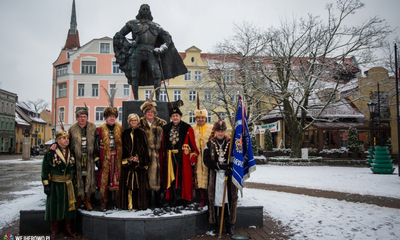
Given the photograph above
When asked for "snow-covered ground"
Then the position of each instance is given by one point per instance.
(308, 217)
(321, 218)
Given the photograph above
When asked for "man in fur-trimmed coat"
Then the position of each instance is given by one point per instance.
(152, 126)
(202, 132)
(215, 157)
(82, 141)
(109, 145)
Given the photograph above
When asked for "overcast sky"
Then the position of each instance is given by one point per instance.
(34, 31)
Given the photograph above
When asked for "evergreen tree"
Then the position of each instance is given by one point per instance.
(352, 140)
(254, 144)
(268, 141)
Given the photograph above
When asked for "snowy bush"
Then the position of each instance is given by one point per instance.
(282, 150)
(254, 144)
(352, 140)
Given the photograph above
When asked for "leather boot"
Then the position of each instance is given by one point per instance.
(216, 229)
(203, 197)
(116, 199)
(104, 201)
(87, 204)
(229, 229)
(78, 202)
(67, 228)
(55, 226)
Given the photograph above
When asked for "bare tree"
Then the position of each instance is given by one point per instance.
(306, 56)
(38, 105)
(231, 72)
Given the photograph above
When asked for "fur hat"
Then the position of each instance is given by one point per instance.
(219, 125)
(175, 110)
(81, 110)
(62, 132)
(149, 104)
(200, 112)
(110, 110)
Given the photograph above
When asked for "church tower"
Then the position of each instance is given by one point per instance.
(72, 42)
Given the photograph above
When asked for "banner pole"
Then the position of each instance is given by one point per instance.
(226, 177)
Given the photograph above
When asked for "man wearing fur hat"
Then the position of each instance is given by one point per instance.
(152, 125)
(59, 185)
(202, 132)
(109, 145)
(82, 141)
(216, 159)
(179, 154)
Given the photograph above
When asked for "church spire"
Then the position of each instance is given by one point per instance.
(72, 42)
(73, 24)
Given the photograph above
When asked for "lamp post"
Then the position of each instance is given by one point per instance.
(371, 108)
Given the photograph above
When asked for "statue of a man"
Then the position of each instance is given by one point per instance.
(150, 56)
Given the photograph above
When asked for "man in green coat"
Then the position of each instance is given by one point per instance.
(59, 186)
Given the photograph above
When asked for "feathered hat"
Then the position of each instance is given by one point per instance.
(110, 110)
(62, 132)
(219, 125)
(200, 112)
(174, 107)
(82, 110)
(149, 104)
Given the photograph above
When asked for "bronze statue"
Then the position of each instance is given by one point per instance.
(150, 56)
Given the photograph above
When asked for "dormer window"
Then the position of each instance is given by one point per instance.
(104, 48)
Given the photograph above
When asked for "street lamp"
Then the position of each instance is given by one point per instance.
(371, 108)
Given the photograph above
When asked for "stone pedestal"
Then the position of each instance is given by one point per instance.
(26, 148)
(132, 106)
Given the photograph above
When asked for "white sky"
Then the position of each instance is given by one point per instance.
(307, 217)
(35, 31)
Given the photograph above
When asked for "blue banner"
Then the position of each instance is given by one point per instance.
(243, 163)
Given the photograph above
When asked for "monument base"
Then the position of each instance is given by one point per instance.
(118, 224)
(132, 106)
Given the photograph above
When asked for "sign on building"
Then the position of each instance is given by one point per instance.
(273, 127)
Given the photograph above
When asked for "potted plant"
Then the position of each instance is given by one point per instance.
(324, 153)
(268, 146)
(334, 153)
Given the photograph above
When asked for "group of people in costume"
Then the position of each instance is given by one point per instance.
(150, 164)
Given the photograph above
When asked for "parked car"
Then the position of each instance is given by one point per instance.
(36, 150)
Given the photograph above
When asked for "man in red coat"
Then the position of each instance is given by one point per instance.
(178, 155)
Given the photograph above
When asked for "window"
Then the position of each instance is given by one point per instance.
(228, 77)
(61, 114)
(192, 119)
(188, 76)
(197, 76)
(207, 96)
(88, 67)
(99, 113)
(147, 94)
(177, 95)
(126, 90)
(81, 90)
(116, 68)
(120, 113)
(62, 90)
(163, 96)
(192, 96)
(61, 70)
(95, 90)
(209, 118)
(104, 48)
(112, 87)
